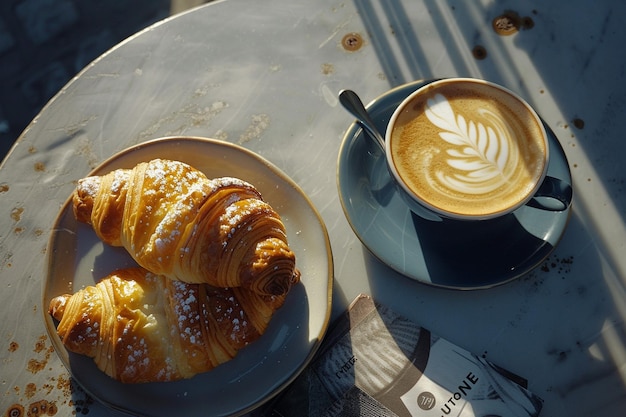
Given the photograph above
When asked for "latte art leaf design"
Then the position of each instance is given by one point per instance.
(481, 152)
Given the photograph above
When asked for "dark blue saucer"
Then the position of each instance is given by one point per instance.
(450, 254)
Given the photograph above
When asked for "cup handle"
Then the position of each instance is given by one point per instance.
(553, 195)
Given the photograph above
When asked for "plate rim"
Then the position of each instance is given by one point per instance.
(275, 170)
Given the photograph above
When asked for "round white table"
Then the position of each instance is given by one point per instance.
(265, 75)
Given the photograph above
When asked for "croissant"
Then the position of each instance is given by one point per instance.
(176, 222)
(141, 327)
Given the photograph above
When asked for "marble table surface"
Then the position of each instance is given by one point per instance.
(265, 75)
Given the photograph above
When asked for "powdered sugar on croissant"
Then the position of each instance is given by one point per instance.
(176, 222)
(141, 327)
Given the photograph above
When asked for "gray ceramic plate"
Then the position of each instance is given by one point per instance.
(77, 258)
(451, 254)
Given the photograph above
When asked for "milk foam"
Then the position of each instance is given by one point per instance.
(466, 149)
(482, 155)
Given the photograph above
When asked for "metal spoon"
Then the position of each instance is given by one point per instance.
(351, 102)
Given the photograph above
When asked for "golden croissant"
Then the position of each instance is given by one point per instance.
(141, 327)
(176, 222)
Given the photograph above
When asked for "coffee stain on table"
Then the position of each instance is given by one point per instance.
(40, 344)
(479, 52)
(15, 410)
(258, 125)
(36, 365)
(352, 42)
(30, 390)
(561, 265)
(41, 408)
(16, 214)
(327, 68)
(34, 400)
(177, 122)
(578, 123)
(510, 22)
(85, 149)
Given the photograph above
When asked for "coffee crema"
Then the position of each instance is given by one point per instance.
(469, 148)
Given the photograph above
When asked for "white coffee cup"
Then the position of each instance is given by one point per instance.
(469, 149)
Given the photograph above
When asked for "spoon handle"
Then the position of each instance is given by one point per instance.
(351, 102)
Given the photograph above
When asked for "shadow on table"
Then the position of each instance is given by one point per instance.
(543, 35)
(564, 303)
(363, 367)
(461, 253)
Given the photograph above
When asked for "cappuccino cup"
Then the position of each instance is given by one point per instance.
(468, 149)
